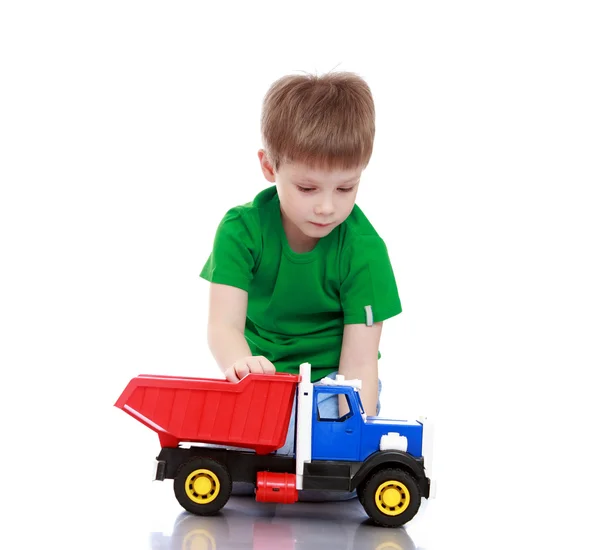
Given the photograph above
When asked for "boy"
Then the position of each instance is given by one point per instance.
(299, 274)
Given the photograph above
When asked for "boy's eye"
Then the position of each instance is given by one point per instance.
(310, 189)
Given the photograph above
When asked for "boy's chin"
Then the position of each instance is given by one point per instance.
(311, 230)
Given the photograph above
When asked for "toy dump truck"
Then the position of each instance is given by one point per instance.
(214, 432)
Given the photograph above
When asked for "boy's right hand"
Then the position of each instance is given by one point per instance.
(246, 365)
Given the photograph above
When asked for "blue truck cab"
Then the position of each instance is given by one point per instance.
(354, 436)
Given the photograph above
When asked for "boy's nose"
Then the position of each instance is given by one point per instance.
(324, 208)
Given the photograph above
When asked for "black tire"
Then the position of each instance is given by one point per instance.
(360, 492)
(403, 501)
(202, 486)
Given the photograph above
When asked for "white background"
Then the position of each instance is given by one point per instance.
(128, 128)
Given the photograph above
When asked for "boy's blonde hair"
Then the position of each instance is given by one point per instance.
(324, 121)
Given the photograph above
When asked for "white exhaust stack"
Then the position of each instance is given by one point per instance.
(304, 406)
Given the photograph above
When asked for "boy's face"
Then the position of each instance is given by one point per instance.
(313, 201)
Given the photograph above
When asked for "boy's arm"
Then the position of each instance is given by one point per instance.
(358, 360)
(226, 322)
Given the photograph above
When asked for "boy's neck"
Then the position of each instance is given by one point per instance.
(297, 241)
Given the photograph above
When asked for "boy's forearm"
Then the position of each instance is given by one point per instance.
(369, 393)
(227, 344)
(358, 360)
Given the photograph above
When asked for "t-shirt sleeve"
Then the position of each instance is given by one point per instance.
(368, 289)
(234, 252)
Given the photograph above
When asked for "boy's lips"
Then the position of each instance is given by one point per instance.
(322, 224)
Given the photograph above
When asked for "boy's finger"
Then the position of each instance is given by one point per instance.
(270, 369)
(230, 375)
(267, 366)
(255, 366)
(241, 371)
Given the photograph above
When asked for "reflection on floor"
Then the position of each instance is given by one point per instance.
(244, 523)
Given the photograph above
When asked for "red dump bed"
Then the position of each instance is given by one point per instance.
(253, 413)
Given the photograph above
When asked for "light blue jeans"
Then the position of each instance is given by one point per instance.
(328, 407)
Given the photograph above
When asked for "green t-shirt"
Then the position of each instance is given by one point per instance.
(298, 303)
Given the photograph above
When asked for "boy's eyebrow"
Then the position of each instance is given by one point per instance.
(308, 180)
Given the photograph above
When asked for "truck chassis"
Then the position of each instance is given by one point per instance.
(389, 484)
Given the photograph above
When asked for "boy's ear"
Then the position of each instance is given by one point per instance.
(266, 167)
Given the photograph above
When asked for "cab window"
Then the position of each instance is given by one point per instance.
(325, 412)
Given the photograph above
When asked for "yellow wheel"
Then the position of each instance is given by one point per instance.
(202, 486)
(391, 497)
